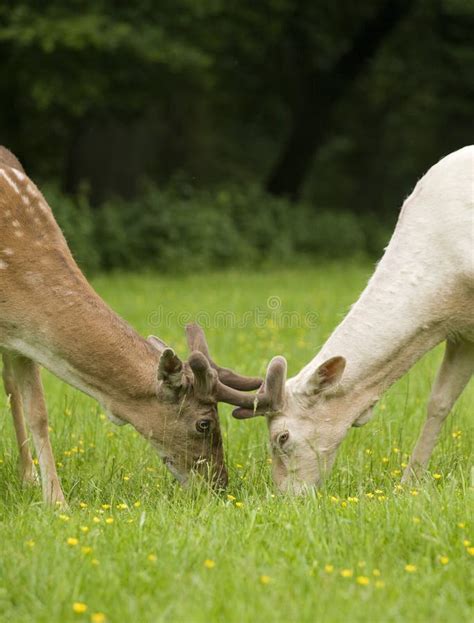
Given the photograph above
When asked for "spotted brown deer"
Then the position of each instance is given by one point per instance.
(421, 294)
(50, 316)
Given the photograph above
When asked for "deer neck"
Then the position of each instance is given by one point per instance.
(392, 325)
(76, 336)
(50, 313)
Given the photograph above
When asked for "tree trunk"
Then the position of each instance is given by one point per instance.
(321, 91)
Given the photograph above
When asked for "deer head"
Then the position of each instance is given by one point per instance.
(304, 430)
(188, 436)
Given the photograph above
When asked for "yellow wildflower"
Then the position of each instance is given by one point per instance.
(209, 564)
(98, 617)
(152, 557)
(265, 579)
(410, 568)
(363, 580)
(443, 560)
(72, 541)
(109, 520)
(328, 568)
(79, 607)
(347, 573)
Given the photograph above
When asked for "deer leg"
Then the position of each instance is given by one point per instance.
(28, 472)
(454, 374)
(27, 374)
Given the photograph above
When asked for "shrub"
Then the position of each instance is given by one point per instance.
(76, 219)
(181, 229)
(329, 234)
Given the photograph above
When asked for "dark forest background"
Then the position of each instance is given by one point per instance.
(223, 131)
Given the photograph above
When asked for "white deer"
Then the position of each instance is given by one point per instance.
(422, 293)
(50, 316)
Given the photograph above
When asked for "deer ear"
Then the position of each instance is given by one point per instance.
(170, 369)
(327, 375)
(156, 342)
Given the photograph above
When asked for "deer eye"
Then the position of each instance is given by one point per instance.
(282, 438)
(203, 426)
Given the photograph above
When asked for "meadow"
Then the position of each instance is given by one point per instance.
(134, 546)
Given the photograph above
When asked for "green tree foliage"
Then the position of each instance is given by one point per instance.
(215, 91)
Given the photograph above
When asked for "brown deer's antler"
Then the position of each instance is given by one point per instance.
(268, 400)
(197, 342)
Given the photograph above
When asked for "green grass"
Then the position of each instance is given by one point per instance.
(148, 564)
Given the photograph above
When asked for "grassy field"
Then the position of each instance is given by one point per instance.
(136, 547)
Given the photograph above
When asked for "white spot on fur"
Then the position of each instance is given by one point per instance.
(3, 265)
(34, 279)
(19, 175)
(25, 200)
(16, 223)
(9, 180)
(18, 233)
(7, 251)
